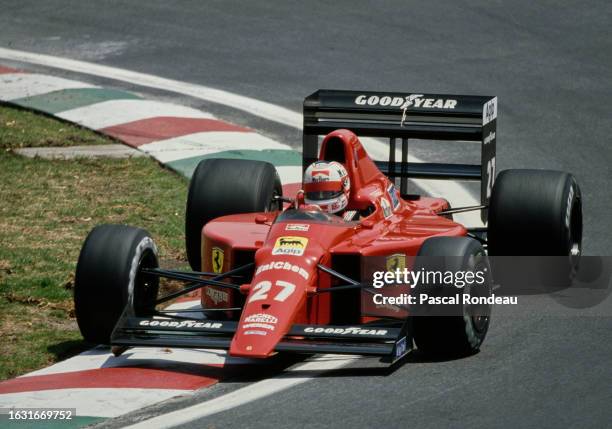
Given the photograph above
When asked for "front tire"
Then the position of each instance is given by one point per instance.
(108, 278)
(221, 187)
(451, 329)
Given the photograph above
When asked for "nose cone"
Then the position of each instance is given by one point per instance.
(286, 272)
(276, 297)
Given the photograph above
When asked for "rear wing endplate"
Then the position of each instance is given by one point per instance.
(404, 116)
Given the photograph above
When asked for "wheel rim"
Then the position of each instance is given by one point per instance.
(575, 230)
(145, 285)
(275, 204)
(479, 313)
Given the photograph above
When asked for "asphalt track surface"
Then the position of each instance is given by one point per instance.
(550, 65)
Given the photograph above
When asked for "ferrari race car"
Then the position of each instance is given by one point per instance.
(277, 275)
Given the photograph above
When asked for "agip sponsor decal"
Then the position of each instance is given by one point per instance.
(289, 245)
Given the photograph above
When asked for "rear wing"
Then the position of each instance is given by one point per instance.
(402, 116)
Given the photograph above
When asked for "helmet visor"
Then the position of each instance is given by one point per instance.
(322, 195)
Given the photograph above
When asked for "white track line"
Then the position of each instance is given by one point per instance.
(115, 112)
(247, 394)
(253, 106)
(20, 85)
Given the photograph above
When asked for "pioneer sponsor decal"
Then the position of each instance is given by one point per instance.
(293, 246)
(403, 102)
(283, 265)
(297, 227)
(345, 331)
(216, 295)
(180, 324)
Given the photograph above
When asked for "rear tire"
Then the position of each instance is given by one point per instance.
(535, 213)
(220, 187)
(444, 329)
(108, 278)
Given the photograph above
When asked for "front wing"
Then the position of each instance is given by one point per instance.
(390, 341)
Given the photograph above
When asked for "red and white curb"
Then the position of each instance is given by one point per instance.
(177, 136)
(99, 384)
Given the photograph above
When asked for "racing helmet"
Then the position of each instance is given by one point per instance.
(327, 185)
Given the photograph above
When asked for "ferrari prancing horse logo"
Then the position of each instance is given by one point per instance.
(217, 260)
(396, 262)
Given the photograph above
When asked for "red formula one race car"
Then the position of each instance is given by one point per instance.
(280, 274)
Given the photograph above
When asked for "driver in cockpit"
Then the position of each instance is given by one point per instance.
(327, 185)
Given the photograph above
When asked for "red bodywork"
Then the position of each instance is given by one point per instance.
(286, 253)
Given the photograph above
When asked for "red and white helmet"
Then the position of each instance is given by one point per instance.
(327, 185)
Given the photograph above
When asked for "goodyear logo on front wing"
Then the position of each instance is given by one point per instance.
(294, 246)
(217, 260)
